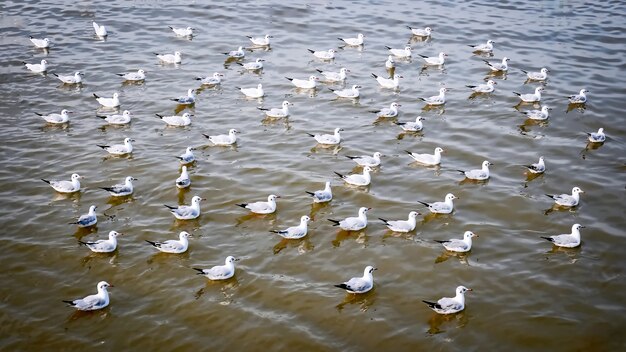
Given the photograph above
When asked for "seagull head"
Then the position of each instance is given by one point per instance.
(369, 269)
(75, 177)
(462, 289)
(130, 179)
(113, 234)
(577, 227)
(544, 70)
(232, 131)
(394, 105)
(407, 48)
(196, 199)
(128, 140)
(577, 190)
(313, 78)
(363, 210)
(439, 150)
(103, 285)
(272, 198)
(492, 82)
(44, 62)
(450, 197)
(187, 115)
(126, 113)
(141, 72)
(230, 259)
(469, 234)
(305, 218)
(65, 112)
(486, 163)
(177, 54)
(115, 95)
(338, 129)
(490, 42)
(377, 155)
(414, 214)
(184, 234)
(286, 104)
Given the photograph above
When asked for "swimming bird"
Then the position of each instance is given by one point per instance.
(579, 98)
(186, 212)
(596, 137)
(187, 157)
(401, 53)
(213, 80)
(366, 160)
(63, 117)
(254, 65)
(537, 168)
(236, 54)
(483, 48)
(420, 32)
(101, 31)
(103, 246)
(119, 149)
(177, 58)
(445, 207)
(484, 88)
(260, 41)
(388, 82)
(542, 75)
(435, 60)
(332, 76)
(392, 111)
(437, 99)
(71, 79)
(140, 75)
(499, 66)
(353, 223)
(324, 55)
(360, 284)
(531, 98)
(175, 120)
(363, 179)
(460, 246)
(328, 139)
(427, 159)
(252, 92)
(220, 272)
(411, 126)
(354, 41)
(310, 83)
(390, 63)
(567, 200)
(88, 219)
(173, 246)
(40, 43)
(402, 225)
(539, 115)
(121, 190)
(295, 232)
(37, 68)
(278, 113)
(189, 99)
(322, 196)
(66, 186)
(182, 31)
(478, 174)
(117, 119)
(350, 93)
(449, 305)
(93, 302)
(108, 102)
(262, 207)
(570, 240)
(224, 139)
(183, 181)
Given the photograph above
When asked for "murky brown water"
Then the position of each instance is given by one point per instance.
(527, 295)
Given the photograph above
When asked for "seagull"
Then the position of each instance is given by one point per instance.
(182, 32)
(66, 186)
(324, 55)
(322, 196)
(224, 139)
(253, 92)
(402, 225)
(537, 168)
(183, 181)
(478, 174)
(461, 246)
(186, 100)
(37, 68)
(363, 179)
(445, 207)
(334, 76)
(427, 159)
(531, 98)
(119, 149)
(187, 157)
(537, 76)
(392, 111)
(116, 119)
(401, 53)
(177, 58)
(295, 232)
(390, 63)
(237, 54)
(354, 41)
(366, 160)
(579, 98)
(277, 113)
(108, 102)
(570, 240)
(260, 41)
(262, 207)
(541, 115)
(220, 272)
(173, 246)
(435, 60)
(40, 43)
(101, 31)
(448, 305)
(104, 246)
(411, 126)
(93, 302)
(351, 93)
(353, 223)
(437, 99)
(121, 190)
(71, 79)
(140, 75)
(420, 32)
(567, 200)
(328, 139)
(254, 65)
(88, 219)
(498, 67)
(211, 80)
(360, 284)
(186, 212)
(483, 48)
(56, 118)
(176, 120)
(387, 82)
(596, 137)
(484, 88)
(310, 83)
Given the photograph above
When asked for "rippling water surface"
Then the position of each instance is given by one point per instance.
(527, 295)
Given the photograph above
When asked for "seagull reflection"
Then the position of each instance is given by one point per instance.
(89, 314)
(111, 257)
(363, 300)
(227, 288)
(463, 257)
(342, 235)
(269, 218)
(84, 231)
(303, 245)
(436, 321)
(74, 197)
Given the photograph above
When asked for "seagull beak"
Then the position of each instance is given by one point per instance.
(369, 208)
(202, 198)
(375, 268)
(476, 235)
(70, 112)
(135, 179)
(120, 234)
(469, 289)
(582, 227)
(277, 196)
(237, 259)
(111, 285)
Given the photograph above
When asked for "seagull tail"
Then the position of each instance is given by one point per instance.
(388, 47)
(159, 116)
(311, 51)
(46, 181)
(83, 243)
(71, 303)
(249, 37)
(73, 223)
(422, 99)
(243, 205)
(384, 220)
(108, 189)
(524, 71)
(332, 90)
(274, 231)
(424, 56)
(54, 74)
(170, 207)
(342, 286)
(312, 135)
(120, 74)
(409, 27)
(156, 54)
(335, 222)
(374, 75)
(547, 238)
(173, 99)
(351, 157)
(441, 241)
(461, 171)
(263, 109)
(430, 304)
(239, 63)
(408, 152)
(338, 174)
(200, 271)
(102, 146)
(311, 193)
(96, 96)
(291, 79)
(399, 123)
(206, 135)
(152, 243)
(38, 114)
(171, 27)
(101, 116)
(550, 195)
(472, 87)
(198, 78)
(518, 94)
(318, 70)
(426, 204)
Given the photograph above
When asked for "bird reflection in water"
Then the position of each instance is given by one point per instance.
(363, 300)
(437, 321)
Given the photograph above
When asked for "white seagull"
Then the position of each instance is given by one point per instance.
(323, 55)
(360, 284)
(445, 207)
(261, 207)
(187, 157)
(596, 137)
(449, 305)
(40, 43)
(322, 196)
(570, 240)
(309, 83)
(456, 245)
(354, 41)
(252, 92)
(328, 139)
(63, 117)
(121, 190)
(173, 246)
(175, 120)
(390, 63)
(484, 88)
(499, 66)
(177, 58)
(70, 79)
(402, 225)
(437, 99)
(224, 139)
(391, 83)
(189, 99)
(211, 80)
(101, 31)
(531, 98)
(237, 54)
(483, 48)
(108, 102)
(537, 168)
(331, 76)
(427, 159)
(260, 41)
(186, 212)
(542, 75)
(220, 272)
(88, 219)
(117, 119)
(295, 232)
(478, 174)
(37, 68)
(420, 32)
(254, 65)
(366, 160)
(363, 179)
(119, 149)
(66, 186)
(392, 111)
(411, 126)
(579, 98)
(140, 75)
(93, 302)
(435, 60)
(350, 93)
(353, 223)
(401, 53)
(540, 115)
(182, 31)
(104, 246)
(567, 200)
(278, 113)
(183, 181)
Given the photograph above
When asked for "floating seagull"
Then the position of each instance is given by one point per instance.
(497, 66)
(220, 272)
(104, 246)
(119, 149)
(295, 232)
(183, 181)
(176, 120)
(567, 200)
(354, 41)
(402, 225)
(262, 207)
(324, 55)
(484, 88)
(537, 168)
(322, 196)
(88, 219)
(351, 93)
(66, 186)
(224, 139)
(435, 60)
(437, 99)
(448, 305)
(71, 79)
(390, 63)
(596, 137)
(237, 54)
(187, 157)
(187, 212)
(328, 139)
(579, 98)
(420, 32)
(173, 246)
(366, 160)
(445, 207)
(211, 80)
(252, 92)
(117, 119)
(186, 100)
(353, 223)
(40, 43)
(310, 83)
(140, 75)
(121, 190)
(392, 111)
(177, 58)
(37, 68)
(334, 76)
(388, 82)
(360, 284)
(411, 126)
(260, 41)
(541, 115)
(483, 48)
(401, 53)
(101, 31)
(108, 102)
(478, 174)
(567, 240)
(277, 113)
(182, 32)
(56, 118)
(254, 65)
(537, 76)
(363, 179)
(531, 98)
(456, 245)
(93, 302)
(427, 159)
